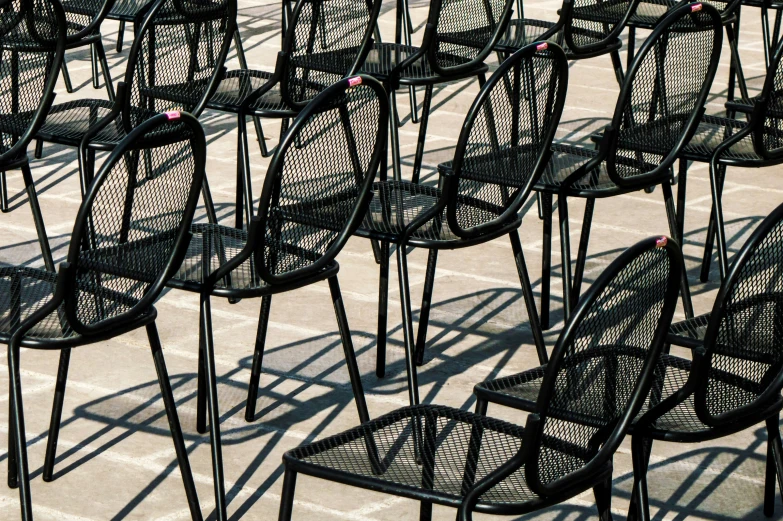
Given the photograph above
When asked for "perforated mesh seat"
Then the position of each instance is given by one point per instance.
(23, 291)
(392, 435)
(126, 9)
(711, 132)
(383, 58)
(691, 330)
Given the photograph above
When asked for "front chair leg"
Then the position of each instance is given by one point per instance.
(17, 426)
(603, 500)
(174, 426)
(640, 455)
(774, 453)
(565, 253)
(671, 215)
(407, 326)
(258, 358)
(546, 261)
(527, 295)
(287, 499)
(57, 412)
(383, 306)
(350, 354)
(214, 410)
(426, 301)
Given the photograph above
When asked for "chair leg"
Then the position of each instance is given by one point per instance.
(565, 253)
(350, 354)
(287, 499)
(581, 256)
(773, 433)
(239, 49)
(17, 427)
(527, 294)
(394, 136)
(32, 197)
(94, 66)
(39, 144)
(99, 50)
(214, 409)
(641, 449)
(244, 196)
(383, 306)
(617, 65)
(3, 192)
(716, 186)
(546, 261)
(770, 474)
(603, 500)
(258, 358)
(57, 412)
(407, 325)
(120, 35)
(201, 392)
(426, 301)
(174, 426)
(425, 113)
(682, 182)
(260, 137)
(671, 215)
(66, 77)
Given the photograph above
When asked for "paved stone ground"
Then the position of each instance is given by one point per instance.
(115, 456)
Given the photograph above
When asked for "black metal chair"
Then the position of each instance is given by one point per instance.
(31, 44)
(601, 369)
(502, 150)
(315, 193)
(119, 259)
(126, 11)
(83, 20)
(755, 141)
(660, 104)
(580, 37)
(443, 57)
(735, 377)
(322, 35)
(175, 62)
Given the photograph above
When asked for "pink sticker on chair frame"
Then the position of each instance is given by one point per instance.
(356, 80)
(542, 46)
(173, 114)
(696, 7)
(661, 242)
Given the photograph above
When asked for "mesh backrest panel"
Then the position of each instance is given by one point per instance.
(318, 186)
(586, 32)
(80, 13)
(328, 34)
(511, 129)
(772, 136)
(178, 56)
(474, 20)
(23, 73)
(665, 92)
(132, 228)
(602, 364)
(747, 350)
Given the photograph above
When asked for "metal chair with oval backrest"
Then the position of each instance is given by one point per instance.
(130, 235)
(601, 368)
(32, 45)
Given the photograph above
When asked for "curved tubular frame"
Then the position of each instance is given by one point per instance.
(566, 15)
(81, 224)
(94, 25)
(452, 179)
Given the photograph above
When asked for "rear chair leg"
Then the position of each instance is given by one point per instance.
(57, 412)
(383, 306)
(258, 358)
(287, 499)
(426, 301)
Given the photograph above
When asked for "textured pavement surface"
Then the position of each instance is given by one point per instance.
(116, 460)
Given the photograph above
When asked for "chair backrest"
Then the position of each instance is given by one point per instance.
(767, 118)
(326, 40)
(176, 60)
(318, 185)
(506, 139)
(584, 33)
(133, 227)
(602, 365)
(32, 43)
(663, 96)
(742, 365)
(461, 33)
(84, 17)
(726, 8)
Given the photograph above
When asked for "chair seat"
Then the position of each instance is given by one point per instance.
(390, 441)
(711, 132)
(23, 291)
(238, 84)
(613, 11)
(395, 204)
(220, 244)
(383, 58)
(690, 332)
(126, 9)
(67, 123)
(566, 160)
(521, 32)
